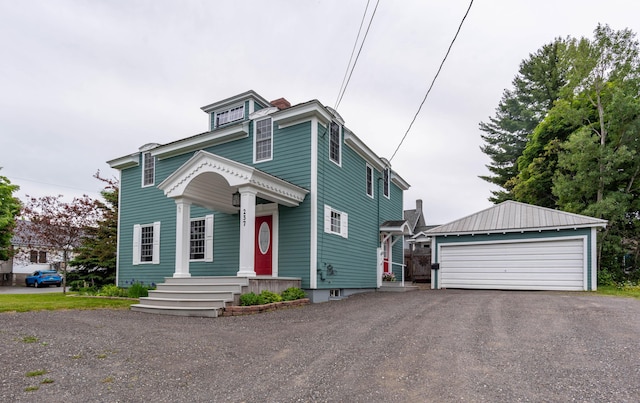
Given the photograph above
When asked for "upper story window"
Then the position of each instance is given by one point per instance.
(385, 182)
(38, 256)
(148, 169)
(263, 144)
(369, 180)
(334, 143)
(229, 115)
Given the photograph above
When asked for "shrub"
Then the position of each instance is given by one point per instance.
(605, 277)
(270, 297)
(137, 289)
(293, 293)
(112, 290)
(251, 299)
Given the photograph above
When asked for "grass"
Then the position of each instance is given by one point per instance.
(56, 301)
(36, 373)
(632, 292)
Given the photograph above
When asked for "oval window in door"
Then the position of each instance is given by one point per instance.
(264, 238)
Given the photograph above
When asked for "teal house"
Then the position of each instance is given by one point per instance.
(269, 191)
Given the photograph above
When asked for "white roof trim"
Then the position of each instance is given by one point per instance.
(363, 150)
(203, 140)
(302, 113)
(245, 96)
(125, 162)
(402, 229)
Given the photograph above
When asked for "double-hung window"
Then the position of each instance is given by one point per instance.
(334, 143)
(369, 180)
(201, 239)
(146, 243)
(148, 169)
(263, 140)
(385, 182)
(38, 256)
(336, 222)
(228, 116)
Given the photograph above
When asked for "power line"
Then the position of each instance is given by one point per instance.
(433, 81)
(364, 38)
(353, 51)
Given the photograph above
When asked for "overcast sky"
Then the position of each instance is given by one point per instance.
(83, 82)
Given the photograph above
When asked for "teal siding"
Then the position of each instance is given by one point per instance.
(139, 205)
(344, 189)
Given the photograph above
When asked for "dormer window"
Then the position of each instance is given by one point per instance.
(227, 116)
(334, 143)
(149, 169)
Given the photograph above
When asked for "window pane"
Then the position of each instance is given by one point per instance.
(369, 181)
(335, 222)
(263, 139)
(334, 143)
(196, 243)
(42, 257)
(34, 256)
(146, 244)
(149, 168)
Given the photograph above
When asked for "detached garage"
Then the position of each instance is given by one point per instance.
(516, 246)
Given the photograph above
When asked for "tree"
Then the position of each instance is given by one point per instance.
(59, 225)
(9, 209)
(95, 258)
(535, 89)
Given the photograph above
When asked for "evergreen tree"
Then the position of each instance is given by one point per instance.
(9, 209)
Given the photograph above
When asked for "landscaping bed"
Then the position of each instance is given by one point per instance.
(253, 309)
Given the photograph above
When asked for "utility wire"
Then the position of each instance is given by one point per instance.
(433, 81)
(353, 51)
(364, 38)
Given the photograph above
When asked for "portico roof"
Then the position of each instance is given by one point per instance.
(209, 180)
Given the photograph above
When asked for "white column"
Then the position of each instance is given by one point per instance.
(183, 226)
(247, 232)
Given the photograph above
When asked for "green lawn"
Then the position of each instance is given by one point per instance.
(54, 301)
(633, 292)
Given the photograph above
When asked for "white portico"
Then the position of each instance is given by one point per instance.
(210, 181)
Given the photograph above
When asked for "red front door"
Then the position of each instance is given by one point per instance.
(263, 259)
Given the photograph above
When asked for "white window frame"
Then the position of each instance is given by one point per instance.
(329, 214)
(234, 113)
(255, 141)
(386, 182)
(146, 156)
(137, 243)
(369, 179)
(208, 238)
(338, 142)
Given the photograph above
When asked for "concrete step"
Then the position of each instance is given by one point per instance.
(244, 281)
(178, 311)
(194, 294)
(202, 286)
(183, 303)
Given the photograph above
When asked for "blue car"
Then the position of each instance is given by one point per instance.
(43, 278)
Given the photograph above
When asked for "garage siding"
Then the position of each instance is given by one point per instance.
(536, 265)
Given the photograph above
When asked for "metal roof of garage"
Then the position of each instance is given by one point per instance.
(512, 216)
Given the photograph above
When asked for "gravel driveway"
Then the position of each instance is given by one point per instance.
(422, 346)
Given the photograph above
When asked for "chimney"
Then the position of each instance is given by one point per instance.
(419, 205)
(281, 103)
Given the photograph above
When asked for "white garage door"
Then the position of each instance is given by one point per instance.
(539, 265)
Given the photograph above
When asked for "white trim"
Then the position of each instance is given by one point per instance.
(313, 252)
(245, 96)
(223, 135)
(128, 161)
(339, 162)
(344, 222)
(208, 238)
(137, 230)
(373, 181)
(594, 260)
(255, 141)
(118, 231)
(156, 243)
(272, 210)
(144, 168)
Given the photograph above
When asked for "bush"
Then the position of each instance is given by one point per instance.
(292, 294)
(251, 299)
(605, 277)
(112, 290)
(270, 297)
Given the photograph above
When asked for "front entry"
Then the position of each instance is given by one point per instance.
(386, 248)
(264, 245)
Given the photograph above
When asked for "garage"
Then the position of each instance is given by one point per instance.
(516, 246)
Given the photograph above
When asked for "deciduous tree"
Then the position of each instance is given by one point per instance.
(9, 209)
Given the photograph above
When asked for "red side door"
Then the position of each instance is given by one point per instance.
(264, 238)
